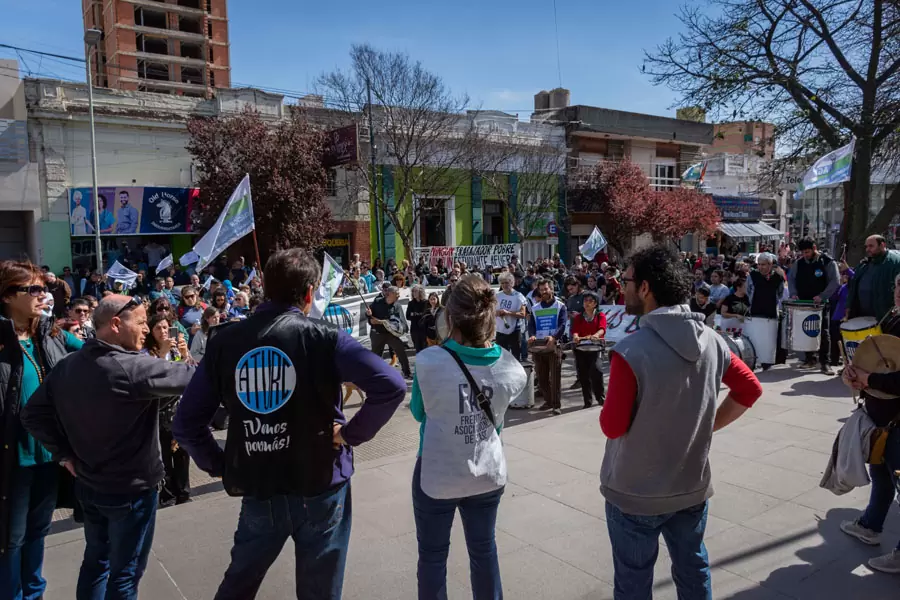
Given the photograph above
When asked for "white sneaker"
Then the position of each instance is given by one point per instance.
(889, 563)
(866, 536)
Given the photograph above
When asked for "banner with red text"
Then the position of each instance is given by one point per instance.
(475, 257)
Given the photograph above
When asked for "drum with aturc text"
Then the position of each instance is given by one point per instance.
(802, 326)
(854, 331)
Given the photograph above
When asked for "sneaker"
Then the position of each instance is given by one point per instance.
(826, 370)
(576, 385)
(545, 406)
(863, 534)
(556, 411)
(889, 563)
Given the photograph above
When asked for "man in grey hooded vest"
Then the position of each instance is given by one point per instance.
(659, 416)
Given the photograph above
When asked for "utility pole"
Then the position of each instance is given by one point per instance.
(372, 172)
(92, 37)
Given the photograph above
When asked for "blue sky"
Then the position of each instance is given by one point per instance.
(500, 52)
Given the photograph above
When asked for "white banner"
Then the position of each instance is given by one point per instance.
(618, 322)
(475, 257)
(118, 272)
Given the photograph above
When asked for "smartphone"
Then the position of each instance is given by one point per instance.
(173, 333)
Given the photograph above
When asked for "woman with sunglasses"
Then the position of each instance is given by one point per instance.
(190, 309)
(30, 346)
(163, 306)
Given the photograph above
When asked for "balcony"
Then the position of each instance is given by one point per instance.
(662, 184)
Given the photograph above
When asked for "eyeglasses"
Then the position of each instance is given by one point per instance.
(35, 291)
(163, 308)
(189, 296)
(132, 303)
(81, 311)
(627, 279)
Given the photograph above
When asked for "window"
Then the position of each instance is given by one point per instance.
(209, 30)
(436, 221)
(189, 3)
(664, 176)
(331, 182)
(151, 70)
(189, 50)
(153, 45)
(189, 25)
(192, 75)
(150, 18)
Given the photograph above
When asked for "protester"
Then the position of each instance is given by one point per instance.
(546, 326)
(838, 313)
(415, 311)
(112, 449)
(718, 291)
(220, 303)
(656, 474)
(31, 346)
(387, 308)
(511, 312)
(72, 281)
(198, 344)
(80, 312)
(240, 308)
(60, 291)
(870, 293)
(159, 290)
(190, 310)
(815, 277)
(162, 305)
(700, 303)
(737, 304)
(429, 319)
(589, 324)
(455, 470)
(176, 488)
(613, 287)
(292, 467)
(883, 413)
(93, 286)
(765, 287)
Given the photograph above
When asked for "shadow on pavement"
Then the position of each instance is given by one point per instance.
(824, 388)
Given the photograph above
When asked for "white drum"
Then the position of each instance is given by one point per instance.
(742, 348)
(763, 333)
(802, 326)
(729, 325)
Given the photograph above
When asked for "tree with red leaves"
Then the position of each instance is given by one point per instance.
(619, 193)
(284, 160)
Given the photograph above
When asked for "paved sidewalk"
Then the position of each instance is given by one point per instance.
(772, 533)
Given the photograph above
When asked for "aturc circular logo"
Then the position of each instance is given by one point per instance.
(265, 379)
(811, 325)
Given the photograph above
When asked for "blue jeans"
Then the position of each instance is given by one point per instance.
(31, 503)
(320, 528)
(118, 534)
(881, 497)
(434, 520)
(635, 546)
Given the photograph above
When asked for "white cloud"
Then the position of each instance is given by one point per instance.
(506, 96)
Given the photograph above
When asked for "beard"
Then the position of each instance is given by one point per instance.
(634, 306)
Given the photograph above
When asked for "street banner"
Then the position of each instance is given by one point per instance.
(188, 258)
(332, 276)
(165, 263)
(831, 169)
(235, 222)
(594, 244)
(117, 272)
(130, 210)
(475, 257)
(695, 172)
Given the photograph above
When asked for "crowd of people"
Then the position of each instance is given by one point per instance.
(157, 365)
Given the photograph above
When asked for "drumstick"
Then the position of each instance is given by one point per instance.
(854, 395)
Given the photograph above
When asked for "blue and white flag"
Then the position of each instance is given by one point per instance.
(235, 222)
(188, 258)
(117, 272)
(165, 263)
(831, 169)
(208, 282)
(252, 275)
(594, 244)
(332, 276)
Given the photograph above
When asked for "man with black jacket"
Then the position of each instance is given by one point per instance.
(289, 447)
(815, 277)
(387, 309)
(98, 414)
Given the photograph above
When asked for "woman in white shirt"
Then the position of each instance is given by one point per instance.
(461, 462)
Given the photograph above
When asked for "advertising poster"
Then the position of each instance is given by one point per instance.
(132, 210)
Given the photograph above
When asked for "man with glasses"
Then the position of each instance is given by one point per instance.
(80, 312)
(546, 326)
(112, 449)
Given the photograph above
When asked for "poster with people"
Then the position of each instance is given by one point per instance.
(132, 210)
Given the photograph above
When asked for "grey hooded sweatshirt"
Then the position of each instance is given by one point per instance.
(662, 464)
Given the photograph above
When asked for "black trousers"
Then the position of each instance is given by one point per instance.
(834, 330)
(177, 484)
(512, 342)
(548, 371)
(419, 339)
(825, 339)
(380, 339)
(590, 376)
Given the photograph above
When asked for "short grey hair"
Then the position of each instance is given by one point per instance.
(418, 291)
(506, 276)
(766, 257)
(392, 289)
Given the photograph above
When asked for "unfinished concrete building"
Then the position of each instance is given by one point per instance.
(165, 46)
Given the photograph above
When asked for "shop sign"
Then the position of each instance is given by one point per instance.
(129, 210)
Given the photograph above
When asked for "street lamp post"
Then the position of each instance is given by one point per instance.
(92, 37)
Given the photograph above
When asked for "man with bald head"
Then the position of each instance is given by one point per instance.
(98, 414)
(871, 292)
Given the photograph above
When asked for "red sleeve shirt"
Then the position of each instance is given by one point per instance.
(615, 417)
(584, 328)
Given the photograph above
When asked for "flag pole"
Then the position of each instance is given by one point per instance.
(259, 270)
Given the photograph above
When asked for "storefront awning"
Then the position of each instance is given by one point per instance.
(747, 232)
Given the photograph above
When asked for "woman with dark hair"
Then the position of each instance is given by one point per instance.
(159, 343)
(211, 318)
(162, 305)
(190, 309)
(106, 217)
(30, 346)
(415, 312)
(220, 303)
(429, 319)
(468, 374)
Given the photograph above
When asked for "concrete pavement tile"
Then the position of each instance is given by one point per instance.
(777, 432)
(763, 478)
(534, 518)
(514, 491)
(766, 409)
(736, 504)
(532, 573)
(809, 420)
(725, 585)
(801, 460)
(386, 569)
(738, 444)
(401, 470)
(848, 578)
(822, 499)
(539, 473)
(513, 452)
(821, 442)
(376, 518)
(583, 494)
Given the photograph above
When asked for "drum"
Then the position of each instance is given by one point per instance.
(854, 331)
(732, 325)
(802, 326)
(763, 333)
(742, 348)
(526, 398)
(589, 346)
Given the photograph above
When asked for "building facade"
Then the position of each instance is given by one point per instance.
(165, 46)
(744, 137)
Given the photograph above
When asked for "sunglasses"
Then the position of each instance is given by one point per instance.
(81, 311)
(35, 291)
(189, 296)
(132, 303)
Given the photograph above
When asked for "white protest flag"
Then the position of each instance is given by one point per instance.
(208, 282)
(831, 169)
(117, 272)
(188, 258)
(332, 276)
(165, 263)
(594, 244)
(235, 222)
(252, 275)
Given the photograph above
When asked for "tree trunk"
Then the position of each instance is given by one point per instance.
(857, 202)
